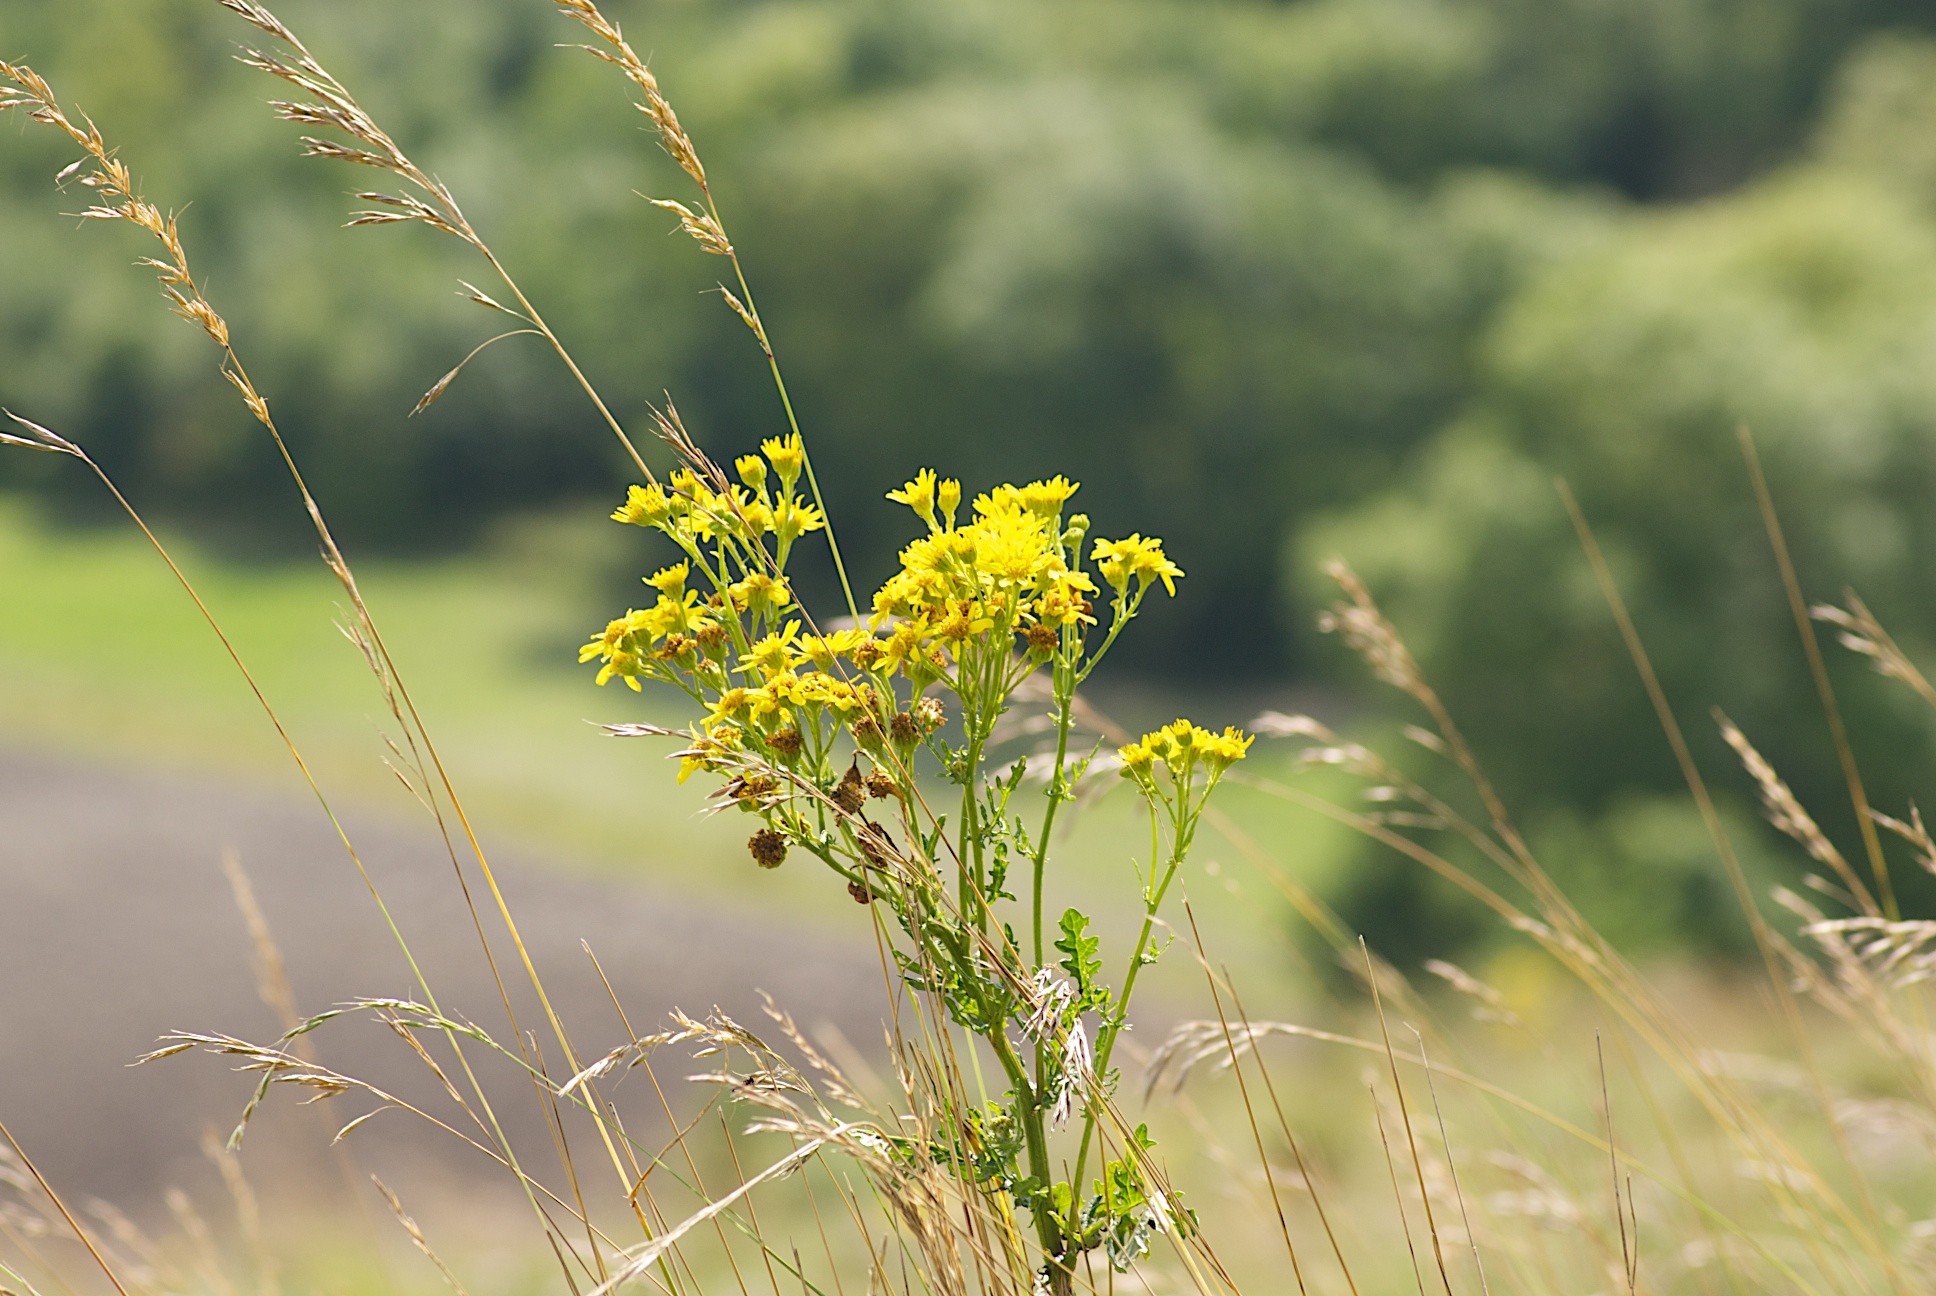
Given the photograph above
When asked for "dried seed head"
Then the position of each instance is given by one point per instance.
(876, 847)
(880, 785)
(848, 794)
(929, 714)
(768, 848)
(867, 733)
(905, 730)
(861, 892)
(785, 742)
(751, 789)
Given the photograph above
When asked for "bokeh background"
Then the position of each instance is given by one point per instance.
(1276, 281)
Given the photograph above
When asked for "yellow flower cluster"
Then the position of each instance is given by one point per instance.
(1006, 572)
(676, 630)
(1180, 747)
(688, 507)
(1143, 560)
(968, 597)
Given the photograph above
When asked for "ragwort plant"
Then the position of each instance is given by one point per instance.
(843, 744)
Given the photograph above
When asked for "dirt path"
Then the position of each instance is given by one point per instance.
(117, 925)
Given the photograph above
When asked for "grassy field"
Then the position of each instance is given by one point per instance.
(105, 659)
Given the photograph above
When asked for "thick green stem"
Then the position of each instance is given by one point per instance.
(1046, 1231)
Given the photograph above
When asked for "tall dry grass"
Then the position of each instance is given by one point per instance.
(1413, 1154)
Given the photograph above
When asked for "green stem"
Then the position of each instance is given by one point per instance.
(1046, 1232)
(1065, 712)
(1113, 1024)
(968, 846)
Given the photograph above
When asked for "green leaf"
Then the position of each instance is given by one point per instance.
(1081, 961)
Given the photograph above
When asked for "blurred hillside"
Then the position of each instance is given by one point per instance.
(1276, 280)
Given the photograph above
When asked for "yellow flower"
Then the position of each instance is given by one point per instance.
(769, 656)
(785, 688)
(1064, 598)
(1183, 736)
(643, 506)
(751, 469)
(759, 592)
(1118, 560)
(620, 649)
(822, 650)
(670, 580)
(706, 748)
(668, 614)
(906, 648)
(819, 690)
(1180, 745)
(948, 497)
(1223, 750)
(733, 704)
(1012, 549)
(965, 620)
(1046, 498)
(918, 495)
(794, 517)
(764, 702)
(787, 454)
(687, 490)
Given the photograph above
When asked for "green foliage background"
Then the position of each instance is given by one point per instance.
(1277, 280)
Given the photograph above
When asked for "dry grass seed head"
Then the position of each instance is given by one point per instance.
(116, 198)
(1786, 813)
(1365, 630)
(619, 53)
(1860, 632)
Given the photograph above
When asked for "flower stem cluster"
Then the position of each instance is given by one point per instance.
(1178, 765)
(831, 738)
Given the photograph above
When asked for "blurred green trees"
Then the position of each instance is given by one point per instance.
(1802, 308)
(1278, 279)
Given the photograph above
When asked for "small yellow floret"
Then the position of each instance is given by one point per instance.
(643, 506)
(918, 495)
(670, 580)
(793, 517)
(787, 454)
(769, 656)
(1119, 560)
(1048, 497)
(1223, 750)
